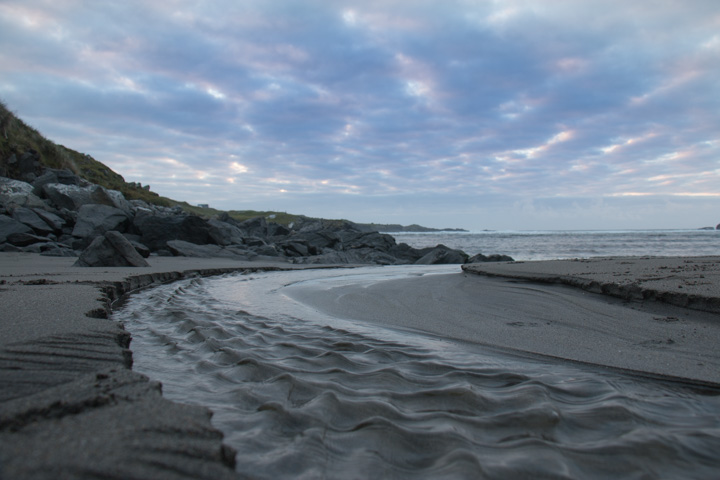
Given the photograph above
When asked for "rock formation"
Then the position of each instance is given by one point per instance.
(61, 214)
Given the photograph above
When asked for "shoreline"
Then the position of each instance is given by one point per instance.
(72, 406)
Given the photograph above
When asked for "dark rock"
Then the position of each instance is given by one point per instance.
(442, 255)
(277, 230)
(181, 248)
(94, 220)
(157, 230)
(294, 249)
(54, 221)
(32, 220)
(111, 250)
(143, 250)
(7, 248)
(14, 193)
(318, 240)
(52, 249)
(73, 197)
(255, 227)
(54, 175)
(29, 166)
(405, 253)
(480, 258)
(254, 242)
(9, 226)
(266, 250)
(25, 239)
(224, 233)
(374, 240)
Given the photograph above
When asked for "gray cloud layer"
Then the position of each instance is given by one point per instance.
(491, 114)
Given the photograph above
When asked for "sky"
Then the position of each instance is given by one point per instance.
(477, 114)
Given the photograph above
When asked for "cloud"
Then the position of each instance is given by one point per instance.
(379, 102)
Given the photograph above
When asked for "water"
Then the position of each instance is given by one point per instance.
(549, 245)
(303, 395)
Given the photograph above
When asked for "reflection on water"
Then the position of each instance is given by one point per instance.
(301, 396)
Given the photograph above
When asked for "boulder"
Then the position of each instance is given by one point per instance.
(442, 255)
(224, 233)
(318, 240)
(14, 193)
(73, 197)
(374, 240)
(155, 230)
(54, 175)
(180, 248)
(20, 239)
(53, 249)
(9, 226)
(110, 250)
(255, 227)
(54, 221)
(94, 220)
(32, 220)
(480, 258)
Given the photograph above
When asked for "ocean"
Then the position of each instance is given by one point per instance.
(551, 245)
(301, 394)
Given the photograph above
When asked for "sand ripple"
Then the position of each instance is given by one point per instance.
(303, 399)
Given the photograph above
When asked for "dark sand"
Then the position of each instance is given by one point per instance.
(636, 325)
(71, 408)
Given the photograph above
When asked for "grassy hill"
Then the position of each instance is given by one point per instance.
(16, 138)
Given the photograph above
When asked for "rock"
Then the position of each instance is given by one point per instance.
(29, 165)
(14, 193)
(54, 175)
(54, 221)
(24, 239)
(180, 248)
(480, 258)
(255, 227)
(277, 230)
(442, 255)
(157, 230)
(94, 220)
(73, 197)
(110, 250)
(52, 249)
(405, 253)
(318, 240)
(139, 247)
(294, 249)
(266, 250)
(224, 233)
(32, 220)
(374, 240)
(9, 226)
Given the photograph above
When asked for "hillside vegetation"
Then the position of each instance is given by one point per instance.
(17, 138)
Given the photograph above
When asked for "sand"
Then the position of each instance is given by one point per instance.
(70, 407)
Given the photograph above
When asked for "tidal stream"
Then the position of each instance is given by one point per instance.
(300, 394)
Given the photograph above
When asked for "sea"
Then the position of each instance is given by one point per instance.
(301, 394)
(565, 244)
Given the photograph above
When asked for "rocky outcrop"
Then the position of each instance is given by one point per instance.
(62, 214)
(111, 250)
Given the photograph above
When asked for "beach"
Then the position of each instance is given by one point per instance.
(72, 401)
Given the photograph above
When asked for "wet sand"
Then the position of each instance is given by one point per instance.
(635, 324)
(70, 406)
